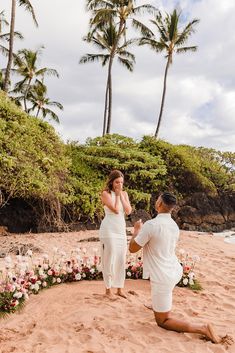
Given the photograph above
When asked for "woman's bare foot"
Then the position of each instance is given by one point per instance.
(121, 294)
(109, 294)
(211, 335)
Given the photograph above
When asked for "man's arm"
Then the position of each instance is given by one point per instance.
(133, 246)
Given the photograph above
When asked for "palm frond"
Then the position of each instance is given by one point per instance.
(55, 104)
(127, 55)
(186, 49)
(52, 115)
(186, 33)
(47, 71)
(28, 6)
(146, 8)
(125, 62)
(92, 58)
(143, 29)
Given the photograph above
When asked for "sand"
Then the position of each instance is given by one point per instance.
(76, 318)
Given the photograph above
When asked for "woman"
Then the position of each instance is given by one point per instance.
(113, 233)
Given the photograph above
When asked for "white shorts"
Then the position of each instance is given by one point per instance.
(161, 298)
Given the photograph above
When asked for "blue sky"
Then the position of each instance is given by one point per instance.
(200, 99)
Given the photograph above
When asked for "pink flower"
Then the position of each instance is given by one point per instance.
(186, 268)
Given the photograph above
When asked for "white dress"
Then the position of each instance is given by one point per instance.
(113, 241)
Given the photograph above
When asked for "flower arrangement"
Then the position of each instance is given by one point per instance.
(134, 269)
(26, 275)
(188, 263)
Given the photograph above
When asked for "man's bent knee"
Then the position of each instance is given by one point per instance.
(161, 318)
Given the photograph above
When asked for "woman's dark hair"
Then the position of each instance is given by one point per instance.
(112, 176)
(168, 199)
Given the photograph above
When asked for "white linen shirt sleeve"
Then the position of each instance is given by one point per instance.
(144, 235)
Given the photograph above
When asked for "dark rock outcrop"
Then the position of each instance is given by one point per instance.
(206, 213)
(199, 211)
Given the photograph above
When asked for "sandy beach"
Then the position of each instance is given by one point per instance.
(76, 318)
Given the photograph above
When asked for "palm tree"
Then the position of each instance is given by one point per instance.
(116, 11)
(172, 40)
(29, 8)
(25, 64)
(40, 102)
(6, 36)
(105, 39)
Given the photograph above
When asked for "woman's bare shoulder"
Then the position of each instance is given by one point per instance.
(105, 193)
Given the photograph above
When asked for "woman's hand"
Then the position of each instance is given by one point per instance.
(118, 190)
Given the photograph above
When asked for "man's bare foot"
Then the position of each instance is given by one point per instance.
(211, 335)
(121, 294)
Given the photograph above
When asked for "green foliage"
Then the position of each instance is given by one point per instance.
(33, 161)
(36, 165)
(93, 162)
(184, 167)
(149, 167)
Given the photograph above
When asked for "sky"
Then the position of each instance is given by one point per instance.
(200, 98)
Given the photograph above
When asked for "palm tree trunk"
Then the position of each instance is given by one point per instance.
(26, 95)
(38, 111)
(110, 96)
(112, 54)
(163, 96)
(106, 107)
(11, 41)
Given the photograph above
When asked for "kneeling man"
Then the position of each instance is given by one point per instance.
(159, 237)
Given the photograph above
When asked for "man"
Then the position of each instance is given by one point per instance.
(158, 237)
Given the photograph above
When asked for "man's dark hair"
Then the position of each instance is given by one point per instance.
(168, 199)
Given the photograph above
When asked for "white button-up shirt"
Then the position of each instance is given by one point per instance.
(158, 237)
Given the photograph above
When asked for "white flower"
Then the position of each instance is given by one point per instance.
(69, 270)
(129, 274)
(19, 258)
(78, 277)
(29, 253)
(185, 281)
(191, 281)
(92, 271)
(53, 280)
(36, 287)
(191, 275)
(32, 286)
(83, 275)
(196, 258)
(18, 295)
(40, 272)
(58, 280)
